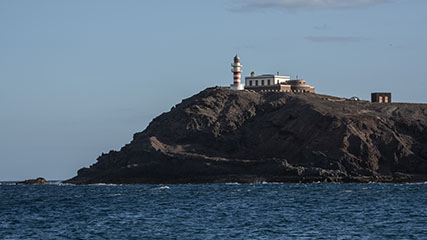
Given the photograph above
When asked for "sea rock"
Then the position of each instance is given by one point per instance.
(39, 180)
(220, 135)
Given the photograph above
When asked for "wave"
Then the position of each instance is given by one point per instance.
(104, 184)
(7, 183)
(114, 195)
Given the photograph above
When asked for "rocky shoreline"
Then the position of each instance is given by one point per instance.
(220, 135)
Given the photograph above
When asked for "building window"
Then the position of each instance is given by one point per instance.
(385, 99)
(268, 82)
(262, 82)
(250, 83)
(256, 82)
(380, 99)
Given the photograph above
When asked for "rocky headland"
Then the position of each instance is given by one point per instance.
(220, 135)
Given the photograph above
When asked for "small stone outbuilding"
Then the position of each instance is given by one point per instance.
(381, 97)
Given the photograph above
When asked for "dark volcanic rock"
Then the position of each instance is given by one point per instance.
(221, 135)
(39, 180)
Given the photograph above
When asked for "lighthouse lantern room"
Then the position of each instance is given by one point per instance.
(237, 72)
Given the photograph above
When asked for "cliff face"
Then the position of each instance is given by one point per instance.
(221, 135)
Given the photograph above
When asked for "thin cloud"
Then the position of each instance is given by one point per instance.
(253, 5)
(322, 27)
(334, 39)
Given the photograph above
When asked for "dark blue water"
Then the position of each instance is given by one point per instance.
(214, 211)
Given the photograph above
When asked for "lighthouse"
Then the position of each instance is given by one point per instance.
(237, 72)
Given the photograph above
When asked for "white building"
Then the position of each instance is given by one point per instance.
(265, 80)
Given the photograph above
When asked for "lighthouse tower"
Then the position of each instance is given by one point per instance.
(237, 71)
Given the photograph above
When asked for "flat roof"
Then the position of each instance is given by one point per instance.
(268, 75)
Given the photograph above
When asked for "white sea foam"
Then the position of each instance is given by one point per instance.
(8, 183)
(415, 183)
(55, 182)
(104, 184)
(115, 195)
(265, 182)
(66, 184)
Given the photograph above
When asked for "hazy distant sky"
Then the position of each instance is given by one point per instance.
(78, 78)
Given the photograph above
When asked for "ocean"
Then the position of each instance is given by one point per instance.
(214, 211)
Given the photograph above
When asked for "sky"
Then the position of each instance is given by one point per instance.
(79, 78)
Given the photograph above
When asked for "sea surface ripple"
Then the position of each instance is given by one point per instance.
(214, 211)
